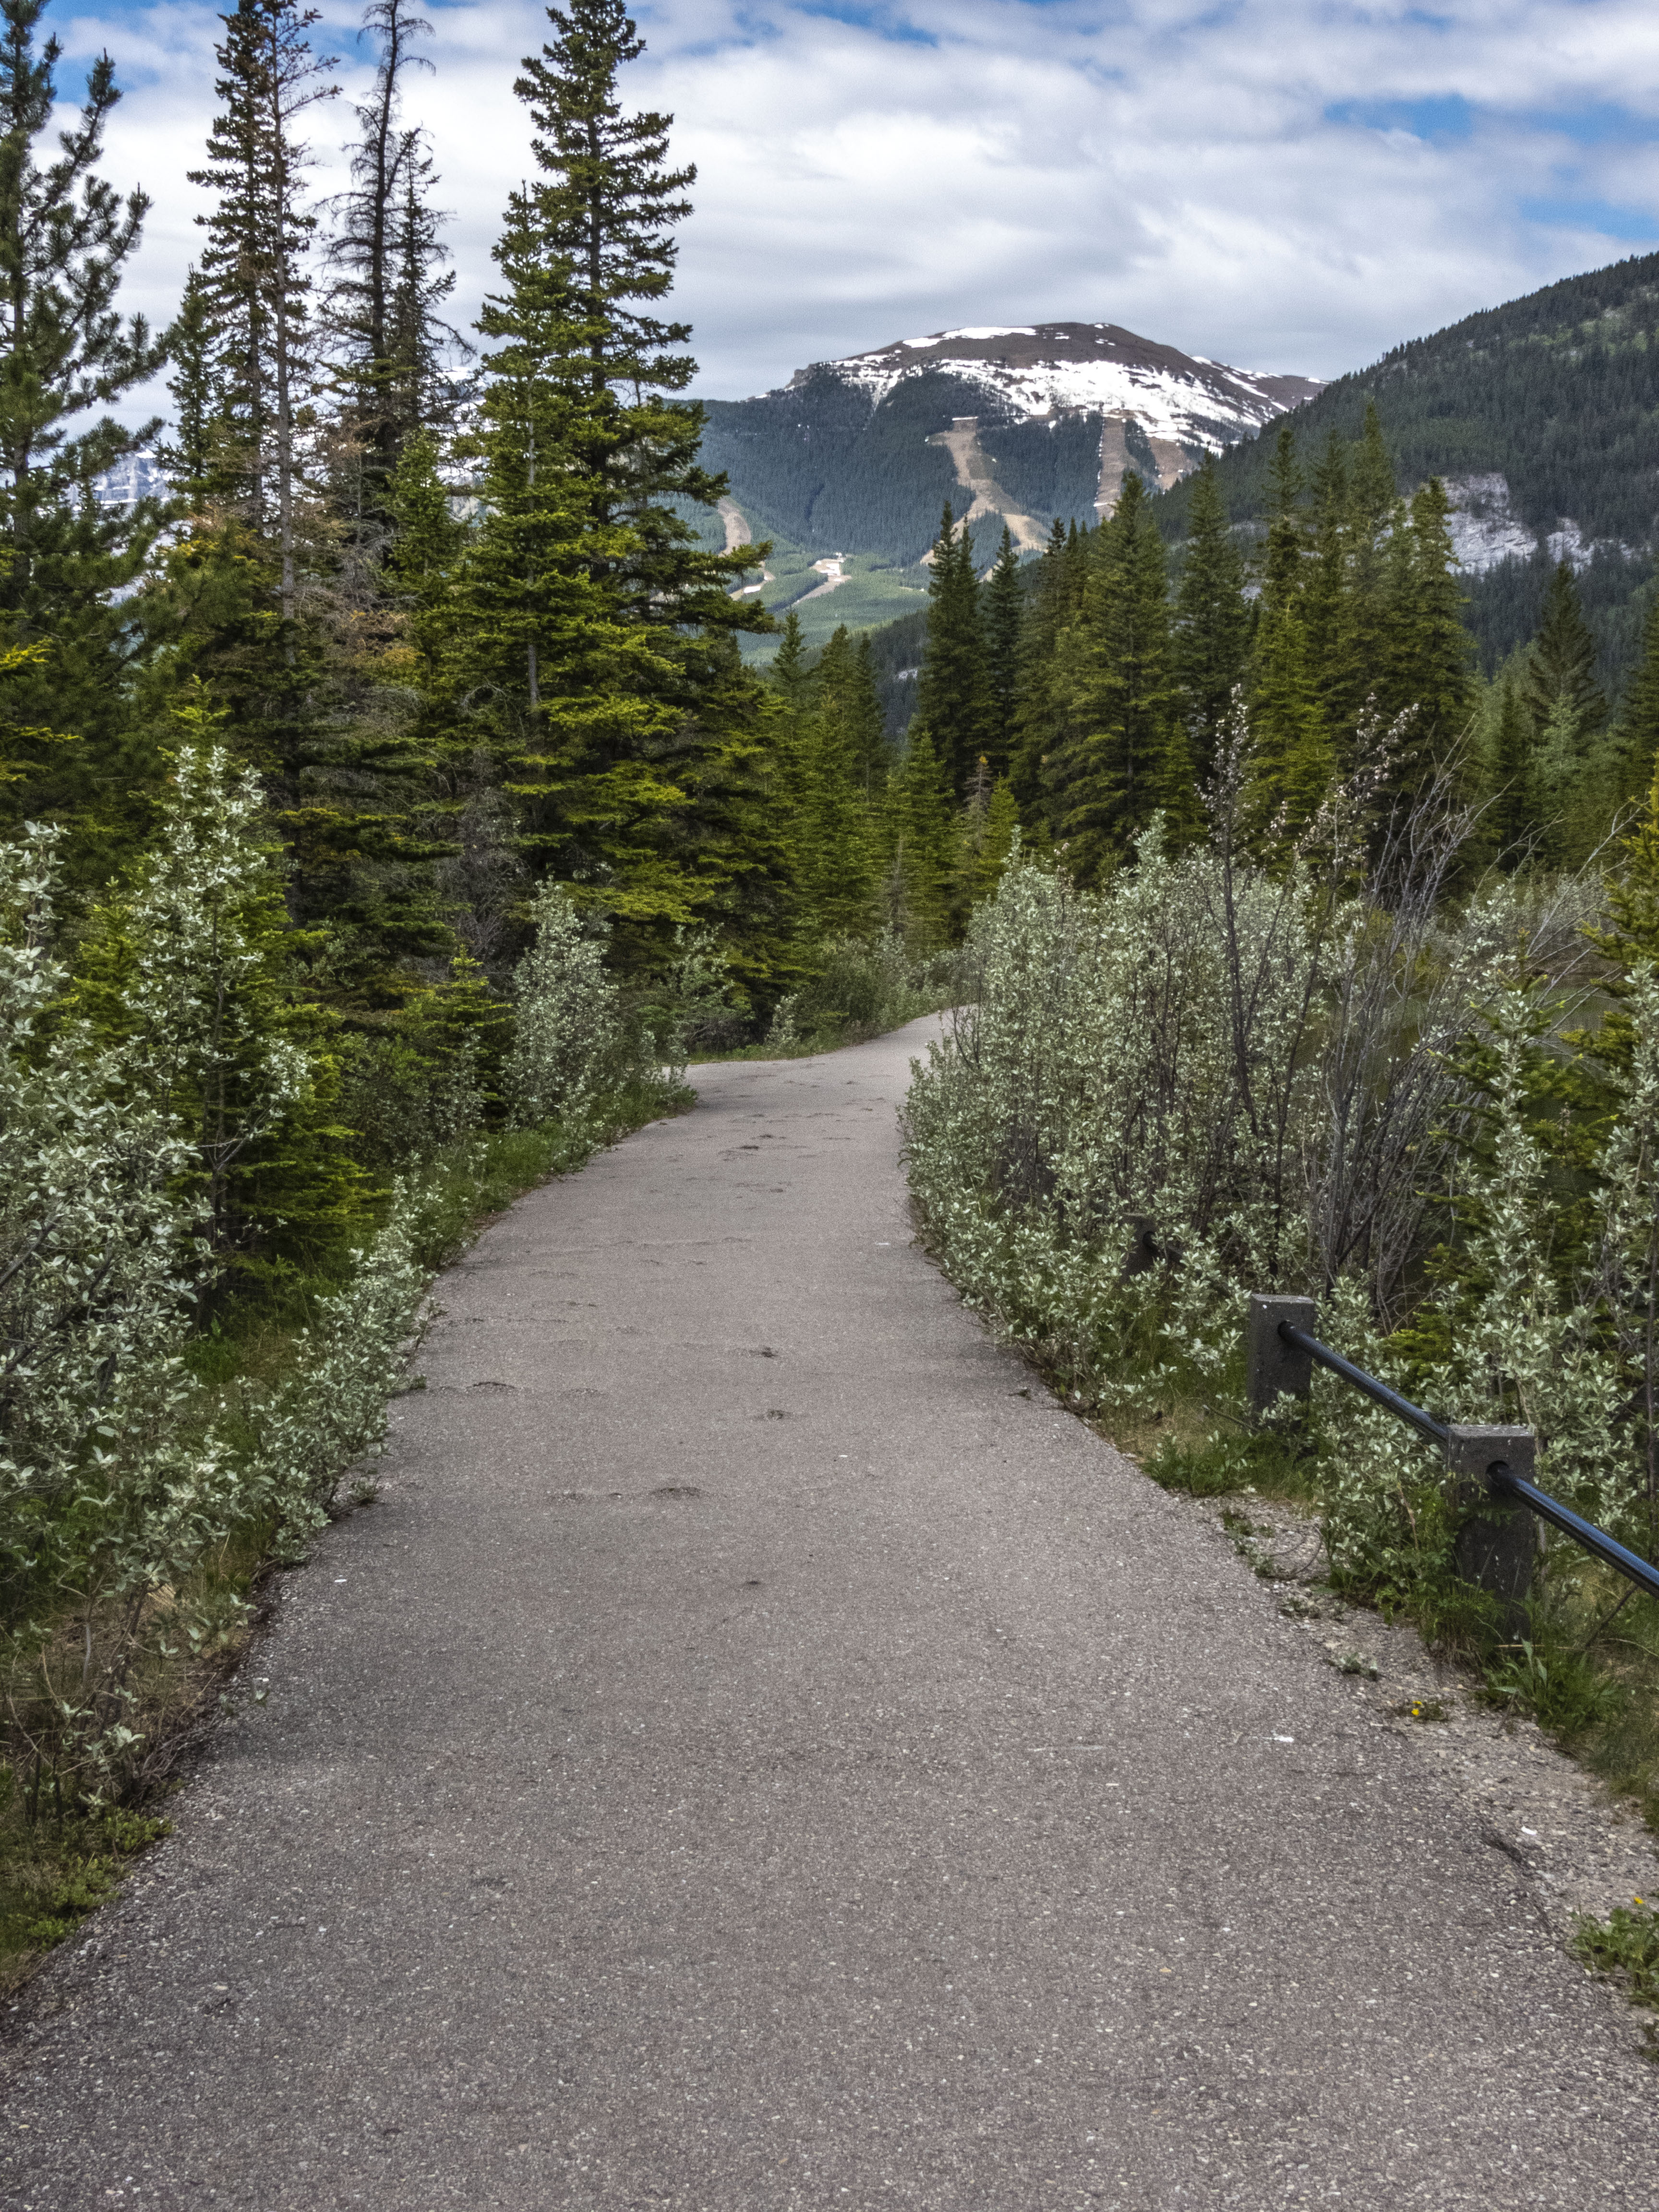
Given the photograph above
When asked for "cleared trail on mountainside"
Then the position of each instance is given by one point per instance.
(756, 1756)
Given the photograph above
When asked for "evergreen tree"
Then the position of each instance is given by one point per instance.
(1121, 755)
(1363, 649)
(1053, 603)
(1512, 815)
(1292, 757)
(65, 238)
(844, 686)
(190, 454)
(1569, 712)
(1429, 663)
(1211, 619)
(1004, 600)
(383, 305)
(953, 698)
(1326, 583)
(868, 744)
(589, 620)
(990, 825)
(1636, 736)
(922, 848)
(1562, 670)
(255, 269)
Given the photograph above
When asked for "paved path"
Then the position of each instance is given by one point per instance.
(756, 1756)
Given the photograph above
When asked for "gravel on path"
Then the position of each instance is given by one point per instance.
(759, 1752)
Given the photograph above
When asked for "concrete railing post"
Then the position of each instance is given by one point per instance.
(1276, 1368)
(1497, 1547)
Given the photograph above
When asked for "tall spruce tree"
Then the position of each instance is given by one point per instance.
(1121, 753)
(1512, 814)
(844, 685)
(66, 235)
(1635, 734)
(1004, 604)
(1056, 600)
(255, 270)
(589, 618)
(1211, 619)
(1292, 754)
(386, 251)
(953, 697)
(1561, 672)
(1569, 712)
(1361, 652)
(922, 834)
(1430, 650)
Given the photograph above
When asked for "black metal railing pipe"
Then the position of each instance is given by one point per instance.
(1436, 1431)
(1605, 1548)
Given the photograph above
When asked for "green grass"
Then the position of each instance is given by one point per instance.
(874, 593)
(1625, 1946)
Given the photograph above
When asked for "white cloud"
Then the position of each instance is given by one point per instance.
(1278, 184)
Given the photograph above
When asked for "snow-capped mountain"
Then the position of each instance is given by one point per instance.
(1044, 370)
(136, 476)
(1015, 424)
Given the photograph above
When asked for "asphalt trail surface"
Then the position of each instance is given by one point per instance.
(761, 1753)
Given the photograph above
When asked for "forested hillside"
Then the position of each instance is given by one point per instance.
(1541, 418)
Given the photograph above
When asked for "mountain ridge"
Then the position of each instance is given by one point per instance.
(1014, 424)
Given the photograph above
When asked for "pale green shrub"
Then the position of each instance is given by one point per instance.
(1126, 1081)
(570, 1042)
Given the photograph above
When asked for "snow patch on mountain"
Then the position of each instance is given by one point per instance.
(1038, 371)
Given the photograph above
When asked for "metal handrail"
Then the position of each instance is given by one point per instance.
(1436, 1431)
(1607, 1548)
(1501, 1480)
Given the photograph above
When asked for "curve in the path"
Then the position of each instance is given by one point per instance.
(761, 1753)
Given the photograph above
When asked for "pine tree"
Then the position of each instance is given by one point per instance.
(1054, 602)
(65, 238)
(589, 621)
(1512, 815)
(1326, 583)
(1636, 736)
(990, 825)
(953, 701)
(1292, 755)
(1004, 602)
(1211, 620)
(843, 685)
(189, 456)
(1569, 712)
(1431, 650)
(383, 305)
(869, 747)
(921, 833)
(1562, 670)
(602, 215)
(1121, 755)
(1363, 646)
(790, 675)
(255, 268)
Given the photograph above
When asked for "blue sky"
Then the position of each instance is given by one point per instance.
(1280, 184)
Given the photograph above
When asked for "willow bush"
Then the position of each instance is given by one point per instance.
(1337, 1073)
(170, 1110)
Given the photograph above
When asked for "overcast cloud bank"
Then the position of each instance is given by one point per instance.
(1282, 185)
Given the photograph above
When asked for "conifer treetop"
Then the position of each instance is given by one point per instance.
(609, 207)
